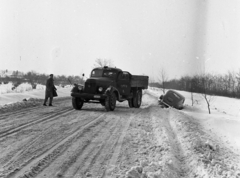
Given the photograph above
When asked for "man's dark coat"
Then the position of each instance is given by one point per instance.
(50, 87)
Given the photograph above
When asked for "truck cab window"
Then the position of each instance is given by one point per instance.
(123, 76)
(97, 73)
(110, 74)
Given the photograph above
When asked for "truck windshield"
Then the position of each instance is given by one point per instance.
(103, 73)
(97, 73)
(110, 74)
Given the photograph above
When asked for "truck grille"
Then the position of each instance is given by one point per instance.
(90, 88)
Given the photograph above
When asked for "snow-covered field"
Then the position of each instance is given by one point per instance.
(8, 95)
(224, 120)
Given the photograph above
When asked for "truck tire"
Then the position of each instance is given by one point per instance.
(137, 99)
(110, 101)
(130, 103)
(77, 103)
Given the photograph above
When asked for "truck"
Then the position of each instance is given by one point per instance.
(107, 85)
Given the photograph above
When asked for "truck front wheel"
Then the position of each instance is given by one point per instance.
(130, 103)
(77, 103)
(137, 99)
(110, 101)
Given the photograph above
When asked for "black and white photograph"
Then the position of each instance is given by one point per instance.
(119, 89)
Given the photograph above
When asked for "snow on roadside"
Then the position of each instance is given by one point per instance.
(170, 143)
(6, 88)
(204, 154)
(13, 101)
(23, 87)
(40, 87)
(224, 120)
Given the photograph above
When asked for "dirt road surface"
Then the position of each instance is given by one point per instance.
(60, 142)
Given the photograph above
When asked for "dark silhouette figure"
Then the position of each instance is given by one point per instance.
(50, 90)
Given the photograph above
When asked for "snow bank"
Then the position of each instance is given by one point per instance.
(224, 120)
(13, 100)
(23, 87)
(9, 88)
(40, 87)
(6, 88)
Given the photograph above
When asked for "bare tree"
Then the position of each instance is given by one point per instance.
(232, 82)
(163, 78)
(192, 89)
(238, 83)
(206, 84)
(103, 62)
(151, 80)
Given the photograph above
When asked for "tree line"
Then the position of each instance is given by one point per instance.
(222, 85)
(35, 78)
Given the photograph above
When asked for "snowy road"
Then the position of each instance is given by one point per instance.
(147, 142)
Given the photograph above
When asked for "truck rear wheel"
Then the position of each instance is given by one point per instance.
(77, 103)
(137, 99)
(110, 101)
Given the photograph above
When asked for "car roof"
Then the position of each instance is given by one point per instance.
(176, 93)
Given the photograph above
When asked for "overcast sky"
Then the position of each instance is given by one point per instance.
(183, 37)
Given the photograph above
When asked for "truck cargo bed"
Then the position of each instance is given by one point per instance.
(139, 81)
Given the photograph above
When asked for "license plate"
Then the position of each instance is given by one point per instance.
(96, 96)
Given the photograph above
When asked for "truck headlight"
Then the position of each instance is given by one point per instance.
(100, 89)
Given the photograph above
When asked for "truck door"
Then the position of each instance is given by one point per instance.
(124, 83)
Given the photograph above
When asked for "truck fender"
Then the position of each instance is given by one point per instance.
(112, 89)
(77, 88)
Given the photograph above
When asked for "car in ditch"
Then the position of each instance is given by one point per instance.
(107, 85)
(172, 99)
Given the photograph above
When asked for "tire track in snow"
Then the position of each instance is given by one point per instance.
(32, 143)
(18, 113)
(173, 159)
(49, 117)
(98, 151)
(92, 156)
(112, 162)
(17, 120)
(178, 152)
(78, 152)
(39, 163)
(25, 110)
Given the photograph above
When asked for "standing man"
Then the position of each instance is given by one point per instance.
(49, 90)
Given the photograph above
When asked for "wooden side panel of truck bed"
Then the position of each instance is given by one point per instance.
(139, 81)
